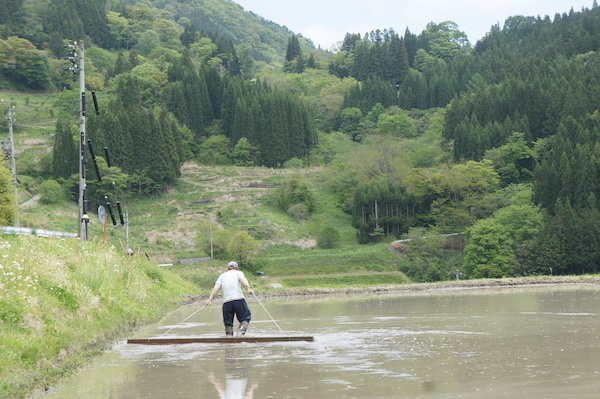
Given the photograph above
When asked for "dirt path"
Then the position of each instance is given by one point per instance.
(30, 201)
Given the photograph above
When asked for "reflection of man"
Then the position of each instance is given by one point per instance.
(235, 388)
(237, 371)
(233, 299)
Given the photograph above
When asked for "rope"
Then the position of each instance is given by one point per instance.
(197, 310)
(263, 306)
(182, 321)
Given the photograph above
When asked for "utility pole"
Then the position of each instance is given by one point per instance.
(78, 61)
(13, 166)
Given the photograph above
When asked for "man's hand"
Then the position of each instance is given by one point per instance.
(250, 291)
(208, 302)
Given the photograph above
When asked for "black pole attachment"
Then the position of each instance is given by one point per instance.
(93, 154)
(95, 103)
(110, 211)
(120, 210)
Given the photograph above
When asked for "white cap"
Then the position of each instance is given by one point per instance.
(232, 265)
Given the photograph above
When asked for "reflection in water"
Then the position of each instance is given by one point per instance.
(511, 343)
(237, 370)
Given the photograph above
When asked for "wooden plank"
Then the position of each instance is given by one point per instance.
(226, 340)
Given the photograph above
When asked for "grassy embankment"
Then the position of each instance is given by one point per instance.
(62, 302)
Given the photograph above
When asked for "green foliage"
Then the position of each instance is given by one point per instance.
(513, 161)
(350, 120)
(431, 256)
(380, 54)
(567, 243)
(242, 247)
(462, 188)
(293, 48)
(498, 246)
(294, 61)
(568, 164)
(293, 163)
(292, 192)
(51, 192)
(369, 93)
(299, 211)
(244, 154)
(7, 198)
(382, 209)
(25, 66)
(488, 253)
(328, 237)
(148, 42)
(215, 151)
(155, 159)
(279, 125)
(396, 122)
(446, 40)
(532, 84)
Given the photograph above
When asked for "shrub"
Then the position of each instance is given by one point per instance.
(328, 237)
(293, 192)
(293, 163)
(299, 211)
(51, 192)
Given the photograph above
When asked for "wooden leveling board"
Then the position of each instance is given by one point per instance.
(223, 340)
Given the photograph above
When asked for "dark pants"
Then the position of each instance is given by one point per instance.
(239, 307)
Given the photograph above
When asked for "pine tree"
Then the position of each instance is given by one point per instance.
(189, 35)
(396, 64)
(311, 63)
(64, 157)
(293, 50)
(92, 14)
(61, 18)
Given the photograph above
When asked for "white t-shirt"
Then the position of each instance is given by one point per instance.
(231, 285)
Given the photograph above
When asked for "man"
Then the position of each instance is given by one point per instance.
(233, 299)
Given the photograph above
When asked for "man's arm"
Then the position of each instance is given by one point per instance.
(246, 284)
(213, 294)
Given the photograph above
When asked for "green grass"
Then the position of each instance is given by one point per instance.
(62, 301)
(293, 267)
(292, 261)
(346, 280)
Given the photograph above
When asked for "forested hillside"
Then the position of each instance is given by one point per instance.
(417, 134)
(524, 100)
(129, 24)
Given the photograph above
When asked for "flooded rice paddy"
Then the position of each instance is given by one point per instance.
(494, 343)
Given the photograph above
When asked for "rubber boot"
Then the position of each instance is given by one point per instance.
(243, 328)
(229, 331)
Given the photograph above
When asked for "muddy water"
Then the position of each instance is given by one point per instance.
(541, 343)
